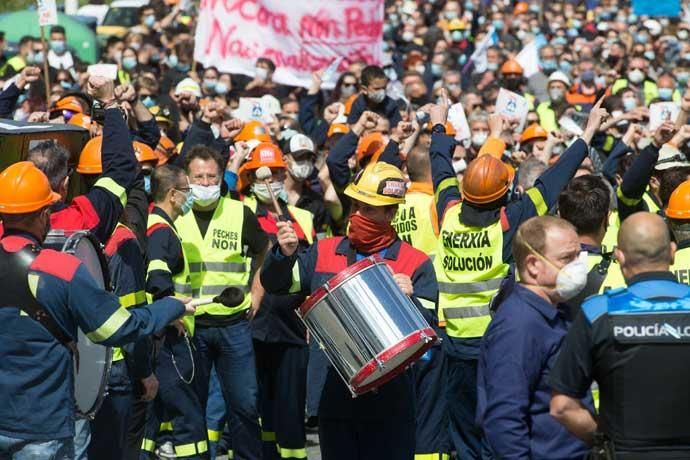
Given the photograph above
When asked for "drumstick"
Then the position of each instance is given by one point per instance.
(263, 174)
(230, 297)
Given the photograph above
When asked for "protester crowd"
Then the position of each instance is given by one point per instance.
(173, 184)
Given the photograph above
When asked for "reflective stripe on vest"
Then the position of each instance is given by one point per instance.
(413, 222)
(681, 265)
(651, 204)
(181, 281)
(216, 261)
(470, 268)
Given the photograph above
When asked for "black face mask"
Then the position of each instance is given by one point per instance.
(612, 60)
(512, 84)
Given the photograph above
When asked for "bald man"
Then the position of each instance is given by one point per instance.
(635, 343)
(521, 342)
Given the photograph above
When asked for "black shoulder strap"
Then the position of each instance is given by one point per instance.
(14, 271)
(595, 278)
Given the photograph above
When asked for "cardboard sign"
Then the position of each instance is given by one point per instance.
(513, 106)
(457, 118)
(47, 13)
(103, 70)
(660, 112)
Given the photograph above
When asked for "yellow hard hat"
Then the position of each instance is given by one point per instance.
(379, 184)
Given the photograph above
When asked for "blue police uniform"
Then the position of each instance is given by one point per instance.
(463, 352)
(635, 343)
(128, 275)
(36, 371)
(517, 353)
(379, 424)
(178, 410)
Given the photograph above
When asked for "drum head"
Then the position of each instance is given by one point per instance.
(94, 360)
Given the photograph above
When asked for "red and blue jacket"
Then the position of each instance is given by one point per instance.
(36, 371)
(320, 263)
(127, 269)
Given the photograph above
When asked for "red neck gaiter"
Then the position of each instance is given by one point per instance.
(370, 237)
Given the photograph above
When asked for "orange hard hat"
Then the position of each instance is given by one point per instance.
(143, 152)
(90, 158)
(24, 189)
(450, 129)
(81, 120)
(532, 132)
(521, 8)
(679, 203)
(338, 128)
(164, 150)
(265, 154)
(486, 180)
(68, 103)
(254, 130)
(371, 145)
(511, 66)
(348, 103)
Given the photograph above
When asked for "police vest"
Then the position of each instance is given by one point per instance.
(649, 354)
(217, 260)
(304, 218)
(681, 265)
(649, 89)
(470, 268)
(17, 63)
(414, 222)
(132, 299)
(181, 281)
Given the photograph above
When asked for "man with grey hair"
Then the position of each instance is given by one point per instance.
(529, 172)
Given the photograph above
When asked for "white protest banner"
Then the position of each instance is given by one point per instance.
(479, 56)
(513, 106)
(660, 112)
(457, 118)
(47, 13)
(299, 37)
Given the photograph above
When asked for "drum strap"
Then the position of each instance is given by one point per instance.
(14, 271)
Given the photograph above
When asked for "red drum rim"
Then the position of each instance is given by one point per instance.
(336, 281)
(386, 355)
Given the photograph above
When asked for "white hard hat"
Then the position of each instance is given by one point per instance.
(560, 76)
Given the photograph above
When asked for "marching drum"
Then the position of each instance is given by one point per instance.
(369, 329)
(91, 373)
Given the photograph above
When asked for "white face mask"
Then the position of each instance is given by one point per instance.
(636, 76)
(261, 73)
(347, 91)
(205, 195)
(459, 165)
(571, 278)
(262, 194)
(479, 138)
(377, 96)
(301, 170)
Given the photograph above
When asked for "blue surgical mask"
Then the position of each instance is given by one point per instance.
(498, 24)
(210, 83)
(189, 201)
(450, 15)
(562, 41)
(148, 101)
(128, 63)
(649, 55)
(566, 66)
(149, 20)
(183, 67)
(221, 88)
(65, 84)
(639, 38)
(172, 60)
(683, 77)
(576, 23)
(456, 35)
(549, 65)
(58, 46)
(572, 32)
(665, 94)
(147, 184)
(35, 58)
(436, 69)
(469, 6)
(629, 103)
